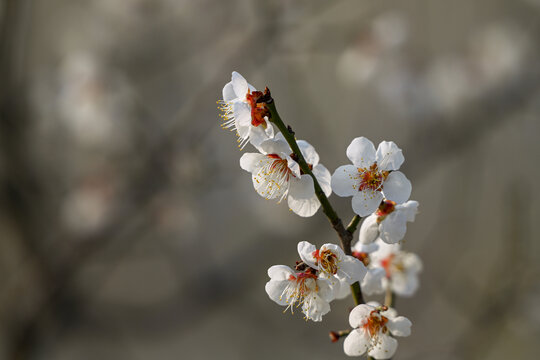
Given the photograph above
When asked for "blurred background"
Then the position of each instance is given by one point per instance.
(128, 230)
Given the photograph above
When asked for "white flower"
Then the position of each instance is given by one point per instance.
(372, 176)
(374, 329)
(373, 282)
(241, 113)
(389, 222)
(331, 262)
(276, 174)
(288, 288)
(401, 268)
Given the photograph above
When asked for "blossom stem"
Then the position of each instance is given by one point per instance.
(344, 235)
(336, 335)
(356, 291)
(351, 228)
(390, 298)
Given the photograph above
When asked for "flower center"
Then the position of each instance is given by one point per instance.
(300, 287)
(362, 256)
(327, 261)
(386, 208)
(375, 323)
(273, 177)
(386, 263)
(371, 178)
(393, 264)
(258, 110)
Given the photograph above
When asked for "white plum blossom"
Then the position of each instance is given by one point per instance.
(331, 261)
(276, 174)
(289, 288)
(241, 113)
(374, 327)
(389, 222)
(401, 268)
(372, 177)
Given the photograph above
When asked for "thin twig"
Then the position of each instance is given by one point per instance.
(351, 228)
(389, 298)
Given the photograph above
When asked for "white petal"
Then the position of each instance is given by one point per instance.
(412, 263)
(389, 156)
(310, 155)
(293, 165)
(269, 130)
(277, 145)
(410, 209)
(306, 250)
(366, 248)
(315, 307)
(374, 304)
(257, 135)
(324, 178)
(369, 230)
(351, 270)
(251, 161)
(242, 113)
(366, 201)
(372, 283)
(280, 272)
(397, 187)
(361, 152)
(393, 227)
(302, 199)
(404, 284)
(345, 180)
(304, 207)
(391, 313)
(279, 137)
(359, 314)
(240, 85)
(327, 291)
(275, 290)
(400, 326)
(356, 343)
(342, 290)
(302, 188)
(385, 347)
(242, 119)
(228, 92)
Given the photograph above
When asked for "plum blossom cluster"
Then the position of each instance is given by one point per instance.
(274, 169)
(316, 281)
(283, 167)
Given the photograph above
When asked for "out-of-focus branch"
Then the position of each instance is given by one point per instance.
(437, 140)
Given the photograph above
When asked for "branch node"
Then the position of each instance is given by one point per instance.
(290, 130)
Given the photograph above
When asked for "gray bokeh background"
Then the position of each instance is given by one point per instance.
(128, 230)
